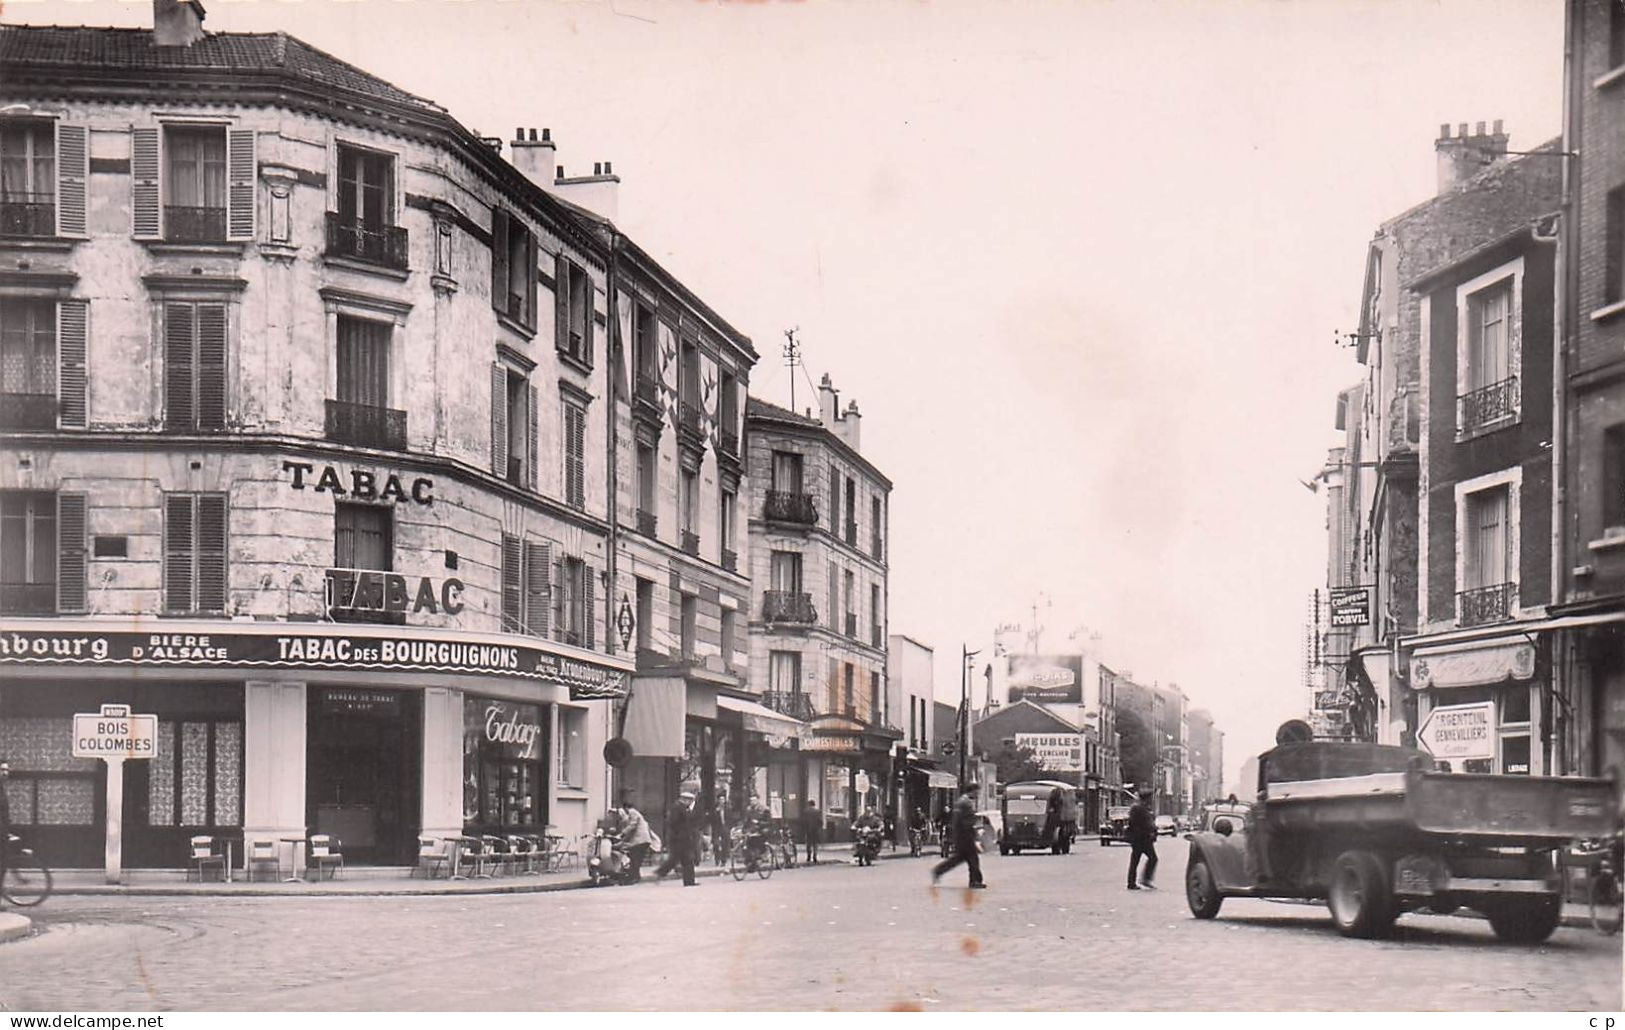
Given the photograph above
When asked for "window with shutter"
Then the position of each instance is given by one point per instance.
(1613, 476)
(73, 173)
(532, 444)
(211, 552)
(180, 406)
(28, 363)
(499, 419)
(195, 185)
(28, 552)
(538, 595)
(195, 365)
(499, 259)
(561, 302)
(211, 366)
(73, 332)
(512, 584)
(180, 537)
(28, 177)
(146, 211)
(70, 539)
(575, 460)
(561, 600)
(589, 588)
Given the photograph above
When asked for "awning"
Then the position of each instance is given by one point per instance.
(1473, 665)
(654, 716)
(778, 728)
(938, 778)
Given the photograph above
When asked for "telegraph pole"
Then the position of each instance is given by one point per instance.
(792, 358)
(965, 655)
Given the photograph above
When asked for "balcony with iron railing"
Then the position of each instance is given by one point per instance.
(647, 522)
(363, 425)
(691, 543)
(1487, 407)
(646, 388)
(384, 245)
(688, 417)
(194, 224)
(793, 703)
(1483, 605)
(788, 606)
(27, 598)
(27, 411)
(728, 440)
(28, 214)
(790, 506)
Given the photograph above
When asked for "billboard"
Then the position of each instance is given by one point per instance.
(1046, 679)
(1056, 752)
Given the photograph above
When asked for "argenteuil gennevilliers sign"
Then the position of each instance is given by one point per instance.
(353, 652)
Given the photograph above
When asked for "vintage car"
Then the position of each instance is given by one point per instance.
(1114, 827)
(1375, 831)
(1166, 826)
(1025, 811)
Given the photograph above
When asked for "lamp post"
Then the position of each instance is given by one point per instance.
(965, 655)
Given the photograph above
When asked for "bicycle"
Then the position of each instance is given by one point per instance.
(1602, 863)
(749, 855)
(27, 880)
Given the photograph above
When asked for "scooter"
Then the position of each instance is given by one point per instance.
(866, 848)
(610, 861)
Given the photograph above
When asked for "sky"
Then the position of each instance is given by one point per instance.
(1080, 264)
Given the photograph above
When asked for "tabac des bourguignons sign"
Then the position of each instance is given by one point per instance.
(309, 651)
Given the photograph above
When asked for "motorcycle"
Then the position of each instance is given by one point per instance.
(610, 861)
(866, 848)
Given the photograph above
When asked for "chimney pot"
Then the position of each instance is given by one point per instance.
(518, 135)
(1498, 126)
(1444, 130)
(547, 135)
(561, 171)
(177, 22)
(607, 169)
(1463, 130)
(598, 168)
(1479, 131)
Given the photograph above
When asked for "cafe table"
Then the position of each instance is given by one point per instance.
(294, 844)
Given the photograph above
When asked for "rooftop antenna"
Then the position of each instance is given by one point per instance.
(792, 358)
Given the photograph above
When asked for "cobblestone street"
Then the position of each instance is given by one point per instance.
(1050, 933)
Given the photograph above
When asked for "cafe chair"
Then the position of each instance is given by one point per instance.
(477, 852)
(523, 850)
(203, 856)
(325, 852)
(565, 853)
(432, 854)
(263, 854)
(501, 858)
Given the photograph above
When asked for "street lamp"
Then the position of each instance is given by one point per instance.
(965, 656)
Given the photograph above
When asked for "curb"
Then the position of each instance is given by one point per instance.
(14, 927)
(364, 891)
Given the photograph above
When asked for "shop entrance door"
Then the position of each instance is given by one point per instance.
(364, 771)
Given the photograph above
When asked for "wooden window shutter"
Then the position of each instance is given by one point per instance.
(72, 332)
(587, 319)
(179, 563)
(589, 587)
(146, 206)
(70, 552)
(575, 445)
(532, 473)
(499, 420)
(561, 302)
(512, 604)
(72, 175)
(561, 618)
(538, 596)
(531, 268)
(241, 170)
(210, 552)
(180, 408)
(211, 366)
(499, 259)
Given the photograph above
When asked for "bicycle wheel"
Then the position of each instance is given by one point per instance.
(764, 866)
(736, 865)
(1605, 903)
(27, 881)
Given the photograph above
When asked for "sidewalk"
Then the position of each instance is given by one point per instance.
(367, 881)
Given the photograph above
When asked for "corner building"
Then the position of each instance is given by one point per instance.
(303, 448)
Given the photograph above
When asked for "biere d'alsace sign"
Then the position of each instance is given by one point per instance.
(354, 651)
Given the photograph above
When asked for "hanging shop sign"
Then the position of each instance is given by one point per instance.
(359, 484)
(368, 590)
(1046, 679)
(355, 651)
(625, 622)
(1351, 606)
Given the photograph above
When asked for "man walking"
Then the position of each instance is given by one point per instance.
(962, 838)
(683, 839)
(1142, 839)
(812, 828)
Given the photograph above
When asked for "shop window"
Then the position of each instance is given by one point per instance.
(503, 754)
(47, 786)
(572, 747)
(195, 777)
(836, 789)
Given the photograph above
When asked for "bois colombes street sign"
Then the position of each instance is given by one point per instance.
(114, 733)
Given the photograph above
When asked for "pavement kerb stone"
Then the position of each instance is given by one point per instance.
(14, 927)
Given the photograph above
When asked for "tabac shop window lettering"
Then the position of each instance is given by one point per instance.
(195, 552)
(194, 366)
(504, 752)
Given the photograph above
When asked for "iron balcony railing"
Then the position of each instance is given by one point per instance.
(691, 542)
(363, 425)
(28, 598)
(647, 522)
(793, 703)
(194, 224)
(688, 416)
(384, 245)
(647, 388)
(28, 214)
(730, 560)
(27, 411)
(788, 506)
(788, 606)
(1487, 405)
(728, 441)
(1483, 605)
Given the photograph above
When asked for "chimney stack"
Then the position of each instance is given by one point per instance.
(598, 192)
(534, 157)
(1464, 155)
(177, 22)
(829, 404)
(850, 422)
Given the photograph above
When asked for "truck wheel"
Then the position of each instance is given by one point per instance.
(1359, 899)
(1525, 920)
(1201, 893)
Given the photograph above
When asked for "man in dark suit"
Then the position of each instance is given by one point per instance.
(812, 828)
(682, 839)
(962, 839)
(1142, 839)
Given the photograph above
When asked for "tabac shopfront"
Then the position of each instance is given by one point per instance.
(1483, 704)
(267, 731)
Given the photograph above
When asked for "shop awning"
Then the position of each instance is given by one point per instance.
(938, 778)
(1473, 665)
(655, 711)
(778, 728)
